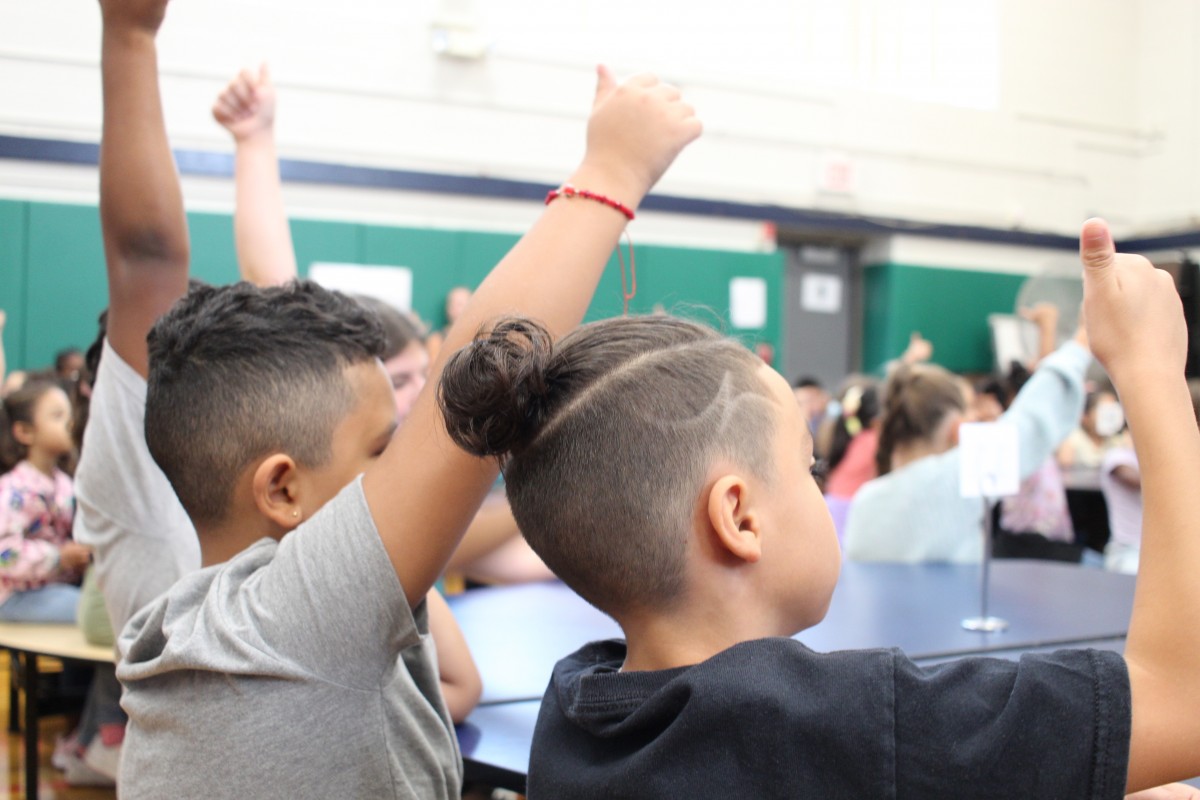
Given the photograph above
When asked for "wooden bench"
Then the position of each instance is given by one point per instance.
(28, 642)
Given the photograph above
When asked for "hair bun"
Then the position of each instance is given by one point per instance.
(494, 393)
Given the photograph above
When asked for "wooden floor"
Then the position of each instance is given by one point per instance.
(52, 784)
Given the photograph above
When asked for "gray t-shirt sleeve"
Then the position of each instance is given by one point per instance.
(328, 602)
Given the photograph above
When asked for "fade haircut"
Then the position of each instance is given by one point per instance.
(238, 372)
(607, 439)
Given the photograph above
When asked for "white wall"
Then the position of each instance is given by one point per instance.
(1089, 109)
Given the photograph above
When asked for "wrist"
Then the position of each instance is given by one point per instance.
(128, 34)
(615, 181)
(259, 138)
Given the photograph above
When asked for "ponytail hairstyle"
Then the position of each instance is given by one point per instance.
(918, 399)
(606, 440)
(19, 407)
(859, 401)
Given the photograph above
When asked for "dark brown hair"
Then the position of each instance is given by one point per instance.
(238, 372)
(606, 439)
(916, 402)
(19, 407)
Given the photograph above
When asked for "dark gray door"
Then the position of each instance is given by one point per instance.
(821, 313)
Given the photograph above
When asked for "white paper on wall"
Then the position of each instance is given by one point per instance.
(990, 461)
(748, 303)
(821, 293)
(392, 285)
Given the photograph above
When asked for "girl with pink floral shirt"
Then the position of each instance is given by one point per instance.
(39, 563)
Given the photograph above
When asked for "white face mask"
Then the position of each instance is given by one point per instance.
(1109, 419)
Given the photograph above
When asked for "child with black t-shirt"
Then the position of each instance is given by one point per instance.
(652, 464)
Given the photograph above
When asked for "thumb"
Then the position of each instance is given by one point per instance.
(264, 74)
(605, 83)
(1096, 249)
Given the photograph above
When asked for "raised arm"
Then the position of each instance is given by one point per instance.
(424, 491)
(246, 109)
(1045, 317)
(1048, 406)
(1136, 329)
(141, 207)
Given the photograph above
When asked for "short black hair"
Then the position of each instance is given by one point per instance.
(62, 356)
(807, 382)
(238, 372)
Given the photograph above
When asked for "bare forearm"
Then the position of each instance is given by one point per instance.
(1168, 451)
(458, 675)
(266, 256)
(1163, 656)
(492, 526)
(550, 275)
(141, 206)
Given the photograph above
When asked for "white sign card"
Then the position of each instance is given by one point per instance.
(821, 293)
(990, 462)
(748, 303)
(392, 285)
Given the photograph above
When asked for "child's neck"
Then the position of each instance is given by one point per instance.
(222, 541)
(664, 641)
(907, 453)
(44, 462)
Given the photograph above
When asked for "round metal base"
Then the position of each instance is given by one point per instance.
(985, 624)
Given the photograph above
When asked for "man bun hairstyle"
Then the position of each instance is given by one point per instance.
(239, 372)
(606, 440)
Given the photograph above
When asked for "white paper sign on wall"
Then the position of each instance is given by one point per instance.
(990, 461)
(392, 285)
(748, 303)
(821, 293)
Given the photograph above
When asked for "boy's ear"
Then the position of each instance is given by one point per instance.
(23, 433)
(276, 485)
(733, 520)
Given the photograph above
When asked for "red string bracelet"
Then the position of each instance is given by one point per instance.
(628, 292)
(567, 190)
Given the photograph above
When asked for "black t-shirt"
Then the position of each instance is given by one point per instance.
(771, 718)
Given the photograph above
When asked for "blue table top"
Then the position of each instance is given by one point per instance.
(516, 634)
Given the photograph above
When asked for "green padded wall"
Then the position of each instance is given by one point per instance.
(65, 285)
(52, 281)
(13, 244)
(949, 307)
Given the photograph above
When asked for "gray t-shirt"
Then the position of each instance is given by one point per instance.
(127, 511)
(297, 669)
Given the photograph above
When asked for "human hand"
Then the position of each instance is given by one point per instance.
(1044, 315)
(3, 319)
(636, 130)
(74, 557)
(141, 15)
(1133, 312)
(1081, 336)
(919, 349)
(246, 108)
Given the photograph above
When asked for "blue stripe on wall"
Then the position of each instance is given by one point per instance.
(202, 162)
